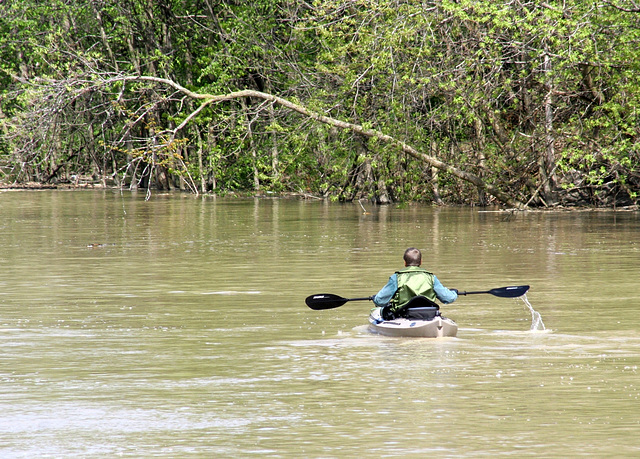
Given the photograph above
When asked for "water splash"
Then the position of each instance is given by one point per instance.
(536, 319)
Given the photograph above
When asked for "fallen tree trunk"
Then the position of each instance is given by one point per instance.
(209, 99)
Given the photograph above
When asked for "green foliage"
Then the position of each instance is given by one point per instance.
(538, 99)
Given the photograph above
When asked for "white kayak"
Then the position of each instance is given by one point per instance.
(420, 317)
(437, 327)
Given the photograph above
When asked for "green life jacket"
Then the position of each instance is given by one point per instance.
(412, 281)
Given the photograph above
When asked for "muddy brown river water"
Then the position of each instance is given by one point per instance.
(176, 327)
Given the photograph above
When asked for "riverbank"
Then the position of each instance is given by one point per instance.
(35, 186)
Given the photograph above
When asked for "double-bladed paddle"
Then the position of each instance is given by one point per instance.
(503, 292)
(322, 301)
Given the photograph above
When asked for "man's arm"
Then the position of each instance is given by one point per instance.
(443, 293)
(386, 293)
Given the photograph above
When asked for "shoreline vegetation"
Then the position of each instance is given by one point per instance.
(306, 196)
(518, 104)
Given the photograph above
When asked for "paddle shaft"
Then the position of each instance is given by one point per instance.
(322, 301)
(473, 293)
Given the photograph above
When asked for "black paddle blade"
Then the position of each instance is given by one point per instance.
(322, 301)
(509, 292)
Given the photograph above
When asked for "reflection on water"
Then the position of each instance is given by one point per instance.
(177, 327)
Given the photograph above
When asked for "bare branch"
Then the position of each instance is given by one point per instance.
(371, 133)
(635, 9)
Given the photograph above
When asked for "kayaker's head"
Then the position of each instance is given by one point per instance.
(412, 257)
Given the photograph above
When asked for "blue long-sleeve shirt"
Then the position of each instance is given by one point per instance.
(385, 294)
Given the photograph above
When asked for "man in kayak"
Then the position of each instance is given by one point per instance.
(412, 281)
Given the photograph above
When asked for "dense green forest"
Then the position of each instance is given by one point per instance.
(521, 103)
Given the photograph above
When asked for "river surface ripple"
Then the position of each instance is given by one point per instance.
(176, 327)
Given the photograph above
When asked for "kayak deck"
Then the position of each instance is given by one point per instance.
(437, 327)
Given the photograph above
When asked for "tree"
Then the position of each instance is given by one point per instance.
(529, 102)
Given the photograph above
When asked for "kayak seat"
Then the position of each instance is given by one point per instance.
(418, 308)
(422, 313)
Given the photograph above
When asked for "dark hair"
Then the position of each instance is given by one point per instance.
(412, 257)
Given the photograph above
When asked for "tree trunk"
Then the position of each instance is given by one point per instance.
(254, 156)
(547, 159)
(203, 182)
(275, 175)
(358, 129)
(103, 35)
(480, 144)
(211, 144)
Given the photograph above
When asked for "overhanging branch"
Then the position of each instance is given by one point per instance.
(371, 133)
